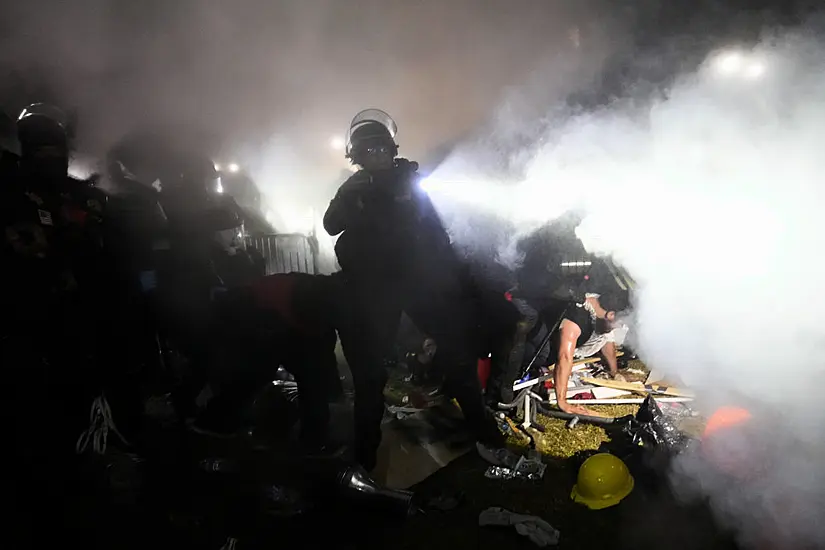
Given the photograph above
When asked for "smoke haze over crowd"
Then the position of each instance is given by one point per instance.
(711, 196)
(269, 84)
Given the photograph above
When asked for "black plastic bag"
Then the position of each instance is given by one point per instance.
(652, 428)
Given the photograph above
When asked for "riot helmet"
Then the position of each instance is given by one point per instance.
(225, 220)
(44, 142)
(371, 140)
(193, 174)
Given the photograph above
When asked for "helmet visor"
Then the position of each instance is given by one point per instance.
(369, 116)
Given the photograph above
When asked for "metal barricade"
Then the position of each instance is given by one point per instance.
(574, 266)
(287, 252)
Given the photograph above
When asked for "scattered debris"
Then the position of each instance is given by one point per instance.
(608, 393)
(527, 467)
(558, 441)
(499, 472)
(638, 387)
(651, 427)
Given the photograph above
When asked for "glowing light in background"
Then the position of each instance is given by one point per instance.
(738, 64)
(298, 220)
(728, 63)
(234, 168)
(337, 143)
(291, 218)
(80, 169)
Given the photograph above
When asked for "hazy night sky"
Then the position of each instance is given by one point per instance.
(252, 77)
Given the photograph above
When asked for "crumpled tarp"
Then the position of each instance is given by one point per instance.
(652, 428)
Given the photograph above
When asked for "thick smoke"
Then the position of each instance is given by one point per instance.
(712, 197)
(269, 84)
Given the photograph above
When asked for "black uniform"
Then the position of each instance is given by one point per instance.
(54, 295)
(278, 320)
(395, 255)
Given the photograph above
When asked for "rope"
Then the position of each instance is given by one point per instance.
(100, 422)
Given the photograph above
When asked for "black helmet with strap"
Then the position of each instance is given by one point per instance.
(42, 125)
(371, 128)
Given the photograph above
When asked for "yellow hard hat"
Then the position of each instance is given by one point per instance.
(603, 482)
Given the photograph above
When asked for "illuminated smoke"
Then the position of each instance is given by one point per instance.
(713, 198)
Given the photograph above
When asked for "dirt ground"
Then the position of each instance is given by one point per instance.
(650, 517)
(192, 511)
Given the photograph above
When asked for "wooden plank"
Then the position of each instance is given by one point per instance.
(639, 388)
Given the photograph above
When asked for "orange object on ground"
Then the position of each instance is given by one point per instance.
(728, 445)
(484, 366)
(725, 417)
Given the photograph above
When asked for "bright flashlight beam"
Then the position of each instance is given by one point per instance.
(734, 63)
(234, 167)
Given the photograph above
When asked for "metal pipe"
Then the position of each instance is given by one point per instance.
(600, 420)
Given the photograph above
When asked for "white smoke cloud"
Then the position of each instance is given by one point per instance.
(713, 198)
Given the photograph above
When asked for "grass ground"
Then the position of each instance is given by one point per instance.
(650, 517)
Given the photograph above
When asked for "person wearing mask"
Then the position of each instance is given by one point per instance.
(395, 256)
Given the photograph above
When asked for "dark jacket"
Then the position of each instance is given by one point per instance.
(388, 224)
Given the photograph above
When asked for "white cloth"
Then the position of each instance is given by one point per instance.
(596, 342)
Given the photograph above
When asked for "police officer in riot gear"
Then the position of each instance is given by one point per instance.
(54, 288)
(44, 143)
(396, 255)
(233, 262)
